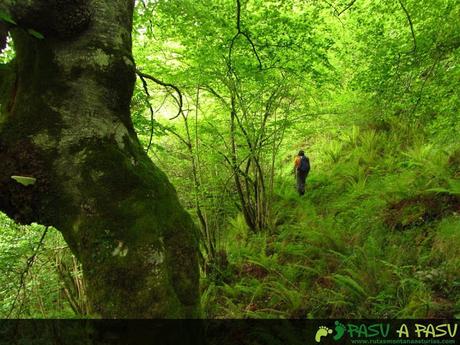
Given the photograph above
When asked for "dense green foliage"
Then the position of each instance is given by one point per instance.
(369, 89)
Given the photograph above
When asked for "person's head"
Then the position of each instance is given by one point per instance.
(301, 153)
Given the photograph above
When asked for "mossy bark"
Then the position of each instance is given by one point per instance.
(65, 121)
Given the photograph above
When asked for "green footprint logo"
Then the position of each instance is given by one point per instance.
(339, 330)
(322, 332)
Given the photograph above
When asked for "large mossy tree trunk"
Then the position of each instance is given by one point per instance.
(65, 121)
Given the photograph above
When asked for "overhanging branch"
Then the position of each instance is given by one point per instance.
(179, 99)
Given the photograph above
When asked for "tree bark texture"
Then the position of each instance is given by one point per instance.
(65, 120)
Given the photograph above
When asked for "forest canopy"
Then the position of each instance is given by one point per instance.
(226, 94)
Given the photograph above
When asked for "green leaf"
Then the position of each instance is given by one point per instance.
(348, 282)
(24, 180)
(36, 34)
(7, 18)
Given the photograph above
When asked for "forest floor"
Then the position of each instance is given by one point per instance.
(372, 238)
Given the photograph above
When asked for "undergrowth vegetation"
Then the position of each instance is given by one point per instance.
(40, 278)
(373, 236)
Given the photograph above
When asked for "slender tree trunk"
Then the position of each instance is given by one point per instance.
(65, 121)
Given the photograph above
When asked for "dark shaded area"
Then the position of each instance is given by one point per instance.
(3, 35)
(61, 18)
(23, 203)
(420, 209)
(222, 332)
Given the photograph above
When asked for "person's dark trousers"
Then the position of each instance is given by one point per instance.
(301, 176)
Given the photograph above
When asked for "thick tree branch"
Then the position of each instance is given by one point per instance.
(179, 100)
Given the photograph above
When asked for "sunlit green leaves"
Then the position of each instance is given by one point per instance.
(24, 180)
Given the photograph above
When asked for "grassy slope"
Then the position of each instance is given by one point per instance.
(374, 237)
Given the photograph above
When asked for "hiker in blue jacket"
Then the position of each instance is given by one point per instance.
(301, 169)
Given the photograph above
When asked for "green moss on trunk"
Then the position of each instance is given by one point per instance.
(70, 128)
